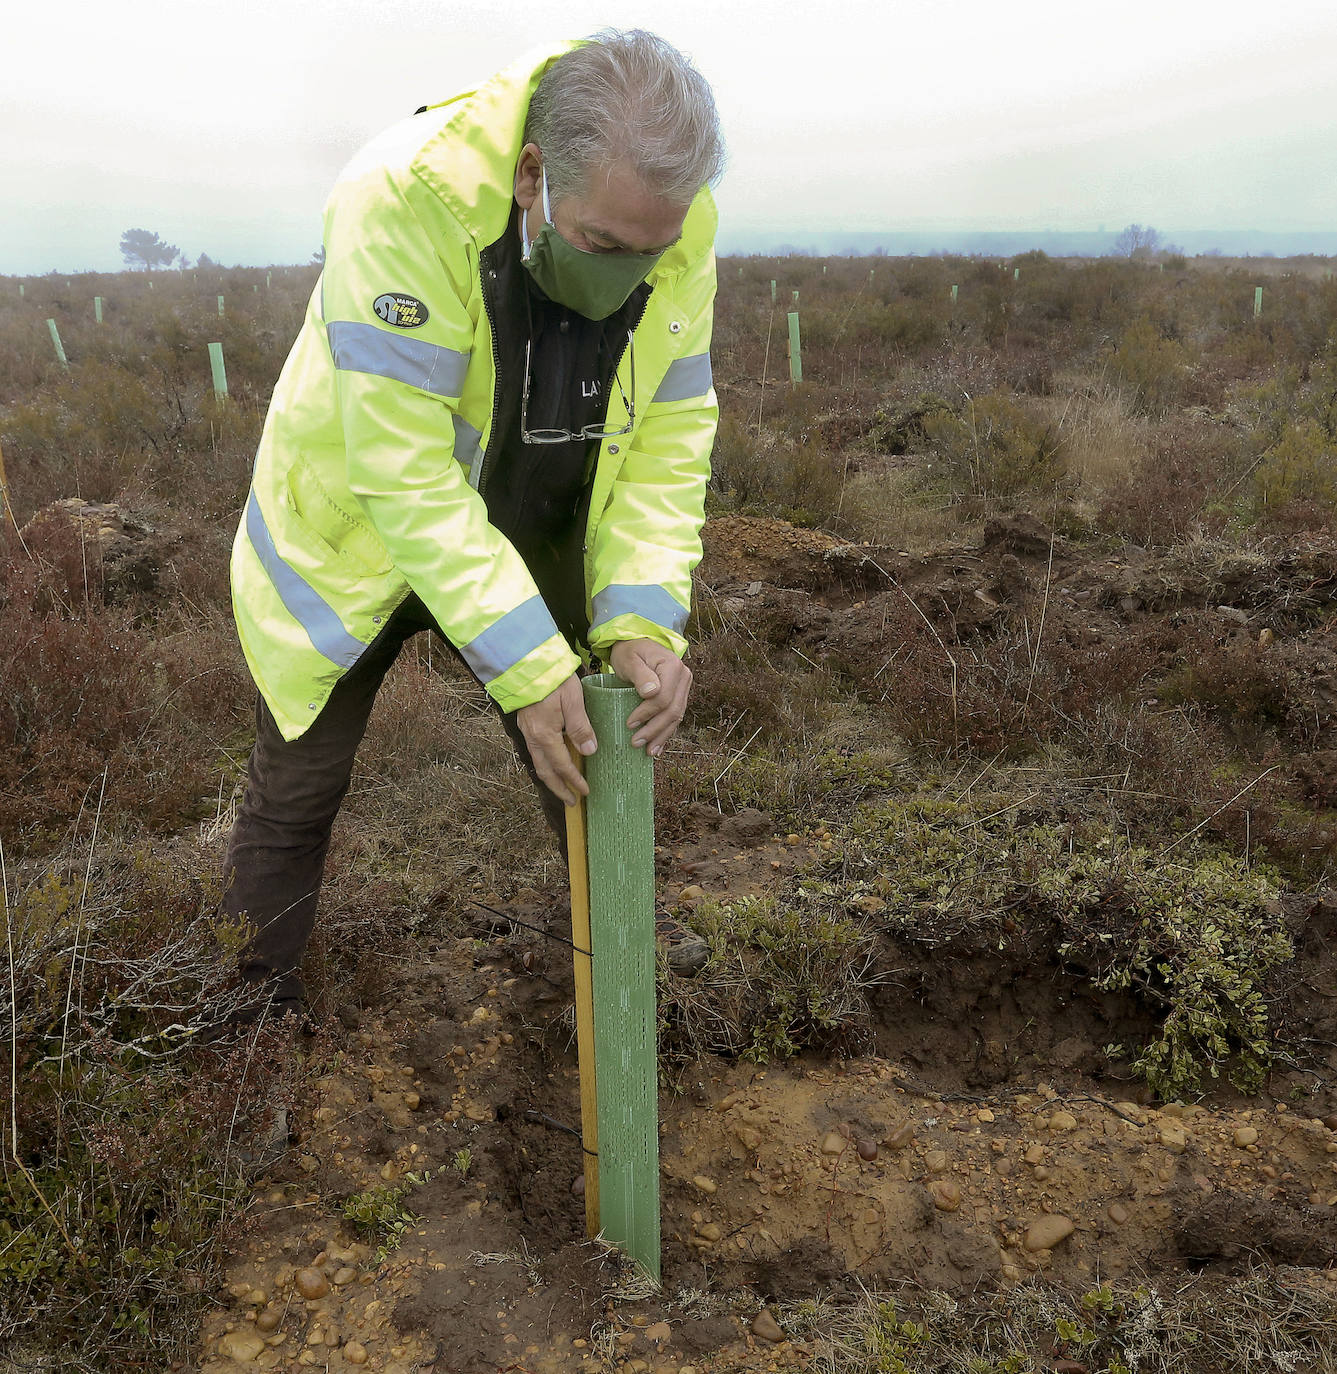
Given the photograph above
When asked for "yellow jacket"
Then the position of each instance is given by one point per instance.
(365, 484)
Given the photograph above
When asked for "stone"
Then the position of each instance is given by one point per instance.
(899, 1137)
(311, 1284)
(766, 1328)
(344, 1275)
(1046, 1232)
(1245, 1136)
(935, 1161)
(1174, 1138)
(946, 1194)
(704, 1184)
(1035, 1154)
(241, 1346)
(693, 892)
(659, 1333)
(709, 1230)
(1062, 1121)
(833, 1143)
(867, 1150)
(269, 1319)
(355, 1352)
(1117, 1213)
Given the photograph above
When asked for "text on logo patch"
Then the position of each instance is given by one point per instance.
(404, 312)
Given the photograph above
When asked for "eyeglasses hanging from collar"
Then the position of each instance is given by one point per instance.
(565, 436)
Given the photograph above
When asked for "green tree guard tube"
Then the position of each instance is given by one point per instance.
(620, 820)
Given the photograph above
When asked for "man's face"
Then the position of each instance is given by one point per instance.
(614, 213)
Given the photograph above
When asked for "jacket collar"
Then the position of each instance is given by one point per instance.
(470, 161)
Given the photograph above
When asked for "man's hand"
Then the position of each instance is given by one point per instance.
(663, 680)
(546, 726)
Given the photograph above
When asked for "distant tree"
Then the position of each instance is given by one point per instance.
(142, 248)
(1137, 241)
(205, 262)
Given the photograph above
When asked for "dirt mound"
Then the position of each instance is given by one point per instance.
(103, 547)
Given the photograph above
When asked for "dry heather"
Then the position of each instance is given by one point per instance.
(1013, 753)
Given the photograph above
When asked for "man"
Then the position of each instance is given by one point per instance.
(496, 421)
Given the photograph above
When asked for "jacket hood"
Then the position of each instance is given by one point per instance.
(470, 161)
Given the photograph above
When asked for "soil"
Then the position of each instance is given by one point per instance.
(982, 1139)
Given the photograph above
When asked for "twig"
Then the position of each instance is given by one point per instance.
(1218, 811)
(1040, 630)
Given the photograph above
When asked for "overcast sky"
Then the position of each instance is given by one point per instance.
(221, 125)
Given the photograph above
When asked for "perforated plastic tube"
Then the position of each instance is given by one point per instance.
(620, 845)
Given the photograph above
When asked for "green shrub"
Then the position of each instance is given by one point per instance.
(784, 975)
(1300, 469)
(995, 447)
(1154, 368)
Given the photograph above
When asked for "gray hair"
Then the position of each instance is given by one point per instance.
(626, 97)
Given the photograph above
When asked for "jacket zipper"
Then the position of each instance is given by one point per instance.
(488, 275)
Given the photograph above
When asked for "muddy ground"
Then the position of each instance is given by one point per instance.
(980, 1139)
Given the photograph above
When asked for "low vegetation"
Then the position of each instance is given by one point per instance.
(1150, 799)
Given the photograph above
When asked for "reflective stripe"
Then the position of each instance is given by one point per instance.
(686, 377)
(468, 446)
(306, 605)
(506, 641)
(358, 347)
(650, 603)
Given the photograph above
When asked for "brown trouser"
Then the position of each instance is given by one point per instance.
(276, 855)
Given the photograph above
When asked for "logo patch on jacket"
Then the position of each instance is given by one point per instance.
(404, 312)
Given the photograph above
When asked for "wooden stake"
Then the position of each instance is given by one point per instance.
(577, 860)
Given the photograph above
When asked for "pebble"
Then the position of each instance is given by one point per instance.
(1117, 1213)
(693, 892)
(311, 1283)
(900, 1137)
(748, 1137)
(946, 1194)
(709, 1230)
(1246, 1135)
(659, 1333)
(984, 1114)
(1035, 1154)
(867, 1150)
(578, 1185)
(833, 1143)
(412, 1101)
(1174, 1138)
(935, 1161)
(269, 1319)
(706, 1185)
(355, 1352)
(344, 1275)
(1063, 1121)
(1046, 1232)
(241, 1346)
(767, 1328)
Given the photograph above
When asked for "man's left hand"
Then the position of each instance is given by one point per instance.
(663, 680)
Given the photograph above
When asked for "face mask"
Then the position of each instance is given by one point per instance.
(592, 284)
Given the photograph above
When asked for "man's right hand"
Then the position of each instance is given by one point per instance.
(546, 726)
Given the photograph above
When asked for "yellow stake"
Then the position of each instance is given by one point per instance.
(578, 866)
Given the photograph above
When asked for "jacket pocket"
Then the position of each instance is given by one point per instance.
(344, 534)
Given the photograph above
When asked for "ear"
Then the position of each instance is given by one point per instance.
(527, 175)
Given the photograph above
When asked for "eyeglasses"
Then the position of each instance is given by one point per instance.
(565, 436)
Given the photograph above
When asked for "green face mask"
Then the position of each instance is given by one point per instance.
(592, 284)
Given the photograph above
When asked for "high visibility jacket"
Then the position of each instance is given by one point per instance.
(366, 479)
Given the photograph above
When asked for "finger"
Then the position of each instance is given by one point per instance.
(657, 734)
(641, 674)
(578, 728)
(563, 766)
(650, 714)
